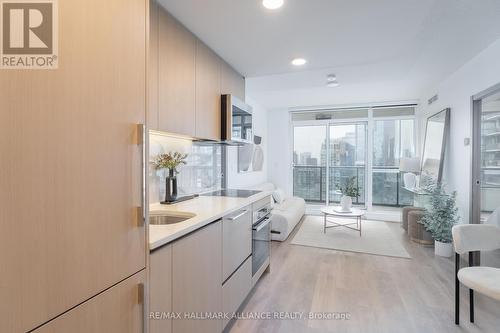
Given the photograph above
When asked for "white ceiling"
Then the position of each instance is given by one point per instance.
(380, 50)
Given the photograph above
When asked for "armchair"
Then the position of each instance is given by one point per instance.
(468, 238)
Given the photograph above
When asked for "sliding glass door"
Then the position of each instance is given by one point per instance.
(485, 196)
(338, 148)
(309, 163)
(486, 185)
(393, 139)
(347, 159)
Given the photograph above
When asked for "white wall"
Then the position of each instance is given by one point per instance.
(244, 180)
(480, 73)
(280, 150)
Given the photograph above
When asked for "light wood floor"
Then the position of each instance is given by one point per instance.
(381, 294)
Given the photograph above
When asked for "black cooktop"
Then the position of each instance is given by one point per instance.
(231, 193)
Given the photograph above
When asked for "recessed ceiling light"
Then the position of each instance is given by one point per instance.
(331, 78)
(299, 61)
(272, 4)
(332, 84)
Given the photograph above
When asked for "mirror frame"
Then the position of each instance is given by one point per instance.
(444, 141)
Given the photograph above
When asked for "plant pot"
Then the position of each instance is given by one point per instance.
(346, 203)
(443, 249)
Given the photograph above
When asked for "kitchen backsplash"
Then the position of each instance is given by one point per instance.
(202, 173)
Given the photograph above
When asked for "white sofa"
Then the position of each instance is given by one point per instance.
(285, 215)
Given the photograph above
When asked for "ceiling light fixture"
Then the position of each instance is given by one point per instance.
(299, 62)
(272, 4)
(331, 78)
(331, 81)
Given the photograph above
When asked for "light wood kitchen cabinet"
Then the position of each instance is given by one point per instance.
(197, 279)
(119, 309)
(153, 67)
(236, 289)
(71, 170)
(186, 80)
(232, 82)
(176, 88)
(160, 284)
(208, 96)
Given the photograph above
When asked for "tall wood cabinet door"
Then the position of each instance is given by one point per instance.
(208, 97)
(160, 287)
(71, 169)
(177, 48)
(197, 279)
(232, 82)
(117, 310)
(152, 115)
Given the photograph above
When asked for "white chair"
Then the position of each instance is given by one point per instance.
(468, 238)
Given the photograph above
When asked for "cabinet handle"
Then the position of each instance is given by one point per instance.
(141, 301)
(140, 293)
(238, 216)
(139, 216)
(139, 134)
(140, 140)
(264, 223)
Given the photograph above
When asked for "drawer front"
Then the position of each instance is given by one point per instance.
(236, 240)
(119, 309)
(236, 289)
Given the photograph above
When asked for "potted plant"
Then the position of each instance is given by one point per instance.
(170, 161)
(349, 190)
(439, 217)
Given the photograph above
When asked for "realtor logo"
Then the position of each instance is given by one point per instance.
(29, 38)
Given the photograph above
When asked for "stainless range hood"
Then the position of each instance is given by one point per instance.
(236, 121)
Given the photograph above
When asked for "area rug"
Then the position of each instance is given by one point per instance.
(377, 238)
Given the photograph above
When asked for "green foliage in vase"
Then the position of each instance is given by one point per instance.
(170, 161)
(349, 188)
(442, 213)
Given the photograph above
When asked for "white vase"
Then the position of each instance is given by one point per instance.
(410, 180)
(443, 249)
(346, 203)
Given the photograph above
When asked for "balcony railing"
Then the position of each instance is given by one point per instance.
(309, 182)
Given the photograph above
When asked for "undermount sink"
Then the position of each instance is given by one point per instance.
(164, 218)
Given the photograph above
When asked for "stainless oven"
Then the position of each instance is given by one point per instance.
(261, 240)
(237, 120)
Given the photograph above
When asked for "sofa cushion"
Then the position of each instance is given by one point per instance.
(286, 216)
(290, 204)
(279, 196)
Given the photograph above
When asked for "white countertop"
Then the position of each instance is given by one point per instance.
(207, 210)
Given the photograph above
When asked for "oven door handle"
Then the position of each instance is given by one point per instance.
(264, 223)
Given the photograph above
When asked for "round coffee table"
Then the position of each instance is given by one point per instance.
(335, 211)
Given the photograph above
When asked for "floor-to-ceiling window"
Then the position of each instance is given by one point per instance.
(393, 139)
(309, 163)
(347, 159)
(340, 141)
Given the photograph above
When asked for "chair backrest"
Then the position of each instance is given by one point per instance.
(475, 237)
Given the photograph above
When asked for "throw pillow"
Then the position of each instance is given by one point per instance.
(279, 196)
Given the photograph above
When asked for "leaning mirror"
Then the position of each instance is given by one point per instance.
(436, 133)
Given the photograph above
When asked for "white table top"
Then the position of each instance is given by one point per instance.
(330, 210)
